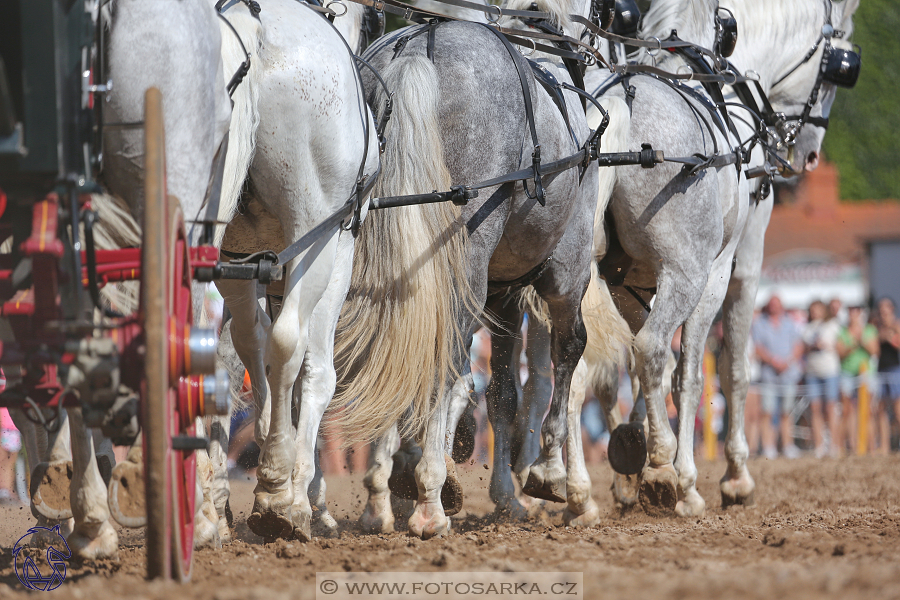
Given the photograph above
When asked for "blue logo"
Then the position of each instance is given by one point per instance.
(29, 573)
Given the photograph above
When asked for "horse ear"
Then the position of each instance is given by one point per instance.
(848, 8)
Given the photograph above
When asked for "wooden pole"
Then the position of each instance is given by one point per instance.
(709, 434)
(862, 418)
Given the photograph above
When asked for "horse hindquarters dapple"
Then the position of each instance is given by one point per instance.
(483, 133)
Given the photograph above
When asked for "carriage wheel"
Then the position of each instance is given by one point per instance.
(166, 303)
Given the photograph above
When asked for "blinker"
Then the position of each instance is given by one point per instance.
(628, 15)
(727, 32)
(842, 67)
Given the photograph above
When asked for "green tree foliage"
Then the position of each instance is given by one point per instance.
(864, 134)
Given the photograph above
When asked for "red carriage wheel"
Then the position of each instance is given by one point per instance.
(170, 473)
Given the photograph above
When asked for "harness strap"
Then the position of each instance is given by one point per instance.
(529, 117)
(507, 287)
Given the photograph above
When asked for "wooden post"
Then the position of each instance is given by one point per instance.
(862, 417)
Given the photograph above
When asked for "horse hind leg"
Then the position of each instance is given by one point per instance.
(582, 510)
(326, 524)
(737, 485)
(535, 398)
(378, 516)
(547, 478)
(502, 400)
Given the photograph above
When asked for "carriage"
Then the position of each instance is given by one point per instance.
(62, 345)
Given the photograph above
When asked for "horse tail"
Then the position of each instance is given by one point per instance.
(616, 138)
(609, 336)
(245, 109)
(400, 332)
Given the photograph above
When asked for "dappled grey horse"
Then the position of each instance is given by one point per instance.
(696, 241)
(459, 117)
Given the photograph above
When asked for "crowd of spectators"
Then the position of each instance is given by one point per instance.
(812, 365)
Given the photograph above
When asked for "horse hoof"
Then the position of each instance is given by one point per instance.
(451, 492)
(301, 526)
(428, 521)
(657, 492)
(693, 505)
(270, 525)
(94, 541)
(625, 490)
(50, 485)
(585, 516)
(627, 451)
(224, 531)
(126, 495)
(378, 517)
(206, 533)
(402, 481)
(737, 490)
(464, 438)
(547, 480)
(324, 525)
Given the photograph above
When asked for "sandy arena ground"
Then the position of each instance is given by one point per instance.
(819, 529)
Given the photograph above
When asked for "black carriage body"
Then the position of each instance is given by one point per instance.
(45, 107)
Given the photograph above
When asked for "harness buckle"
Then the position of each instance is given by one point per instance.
(538, 186)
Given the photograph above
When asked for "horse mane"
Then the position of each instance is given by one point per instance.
(559, 10)
(692, 20)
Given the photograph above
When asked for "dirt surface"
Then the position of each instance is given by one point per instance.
(820, 528)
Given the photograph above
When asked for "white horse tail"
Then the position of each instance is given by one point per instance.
(609, 336)
(400, 334)
(615, 139)
(538, 312)
(245, 111)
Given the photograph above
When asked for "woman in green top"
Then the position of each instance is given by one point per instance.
(857, 345)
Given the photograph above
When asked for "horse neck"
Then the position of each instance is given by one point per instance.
(350, 25)
(692, 19)
(774, 36)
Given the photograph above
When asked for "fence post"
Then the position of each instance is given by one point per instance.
(862, 417)
(709, 434)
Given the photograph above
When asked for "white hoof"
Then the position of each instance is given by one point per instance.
(94, 541)
(50, 483)
(126, 495)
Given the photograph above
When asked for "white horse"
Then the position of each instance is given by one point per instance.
(174, 46)
(733, 274)
(308, 130)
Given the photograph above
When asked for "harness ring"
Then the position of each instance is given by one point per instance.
(339, 3)
(488, 14)
(657, 49)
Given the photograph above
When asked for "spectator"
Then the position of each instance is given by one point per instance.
(10, 444)
(779, 347)
(823, 370)
(837, 311)
(857, 345)
(888, 370)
